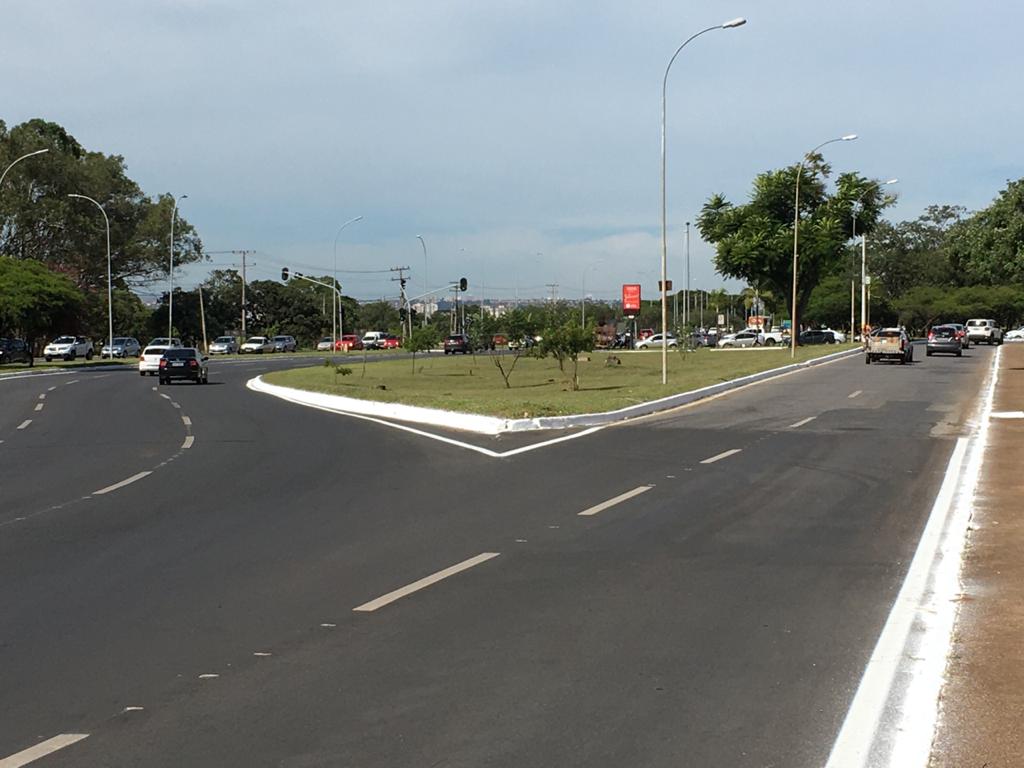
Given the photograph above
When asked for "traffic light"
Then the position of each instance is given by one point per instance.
(462, 284)
(402, 314)
(284, 274)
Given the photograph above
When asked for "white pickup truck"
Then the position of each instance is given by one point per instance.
(889, 344)
(69, 348)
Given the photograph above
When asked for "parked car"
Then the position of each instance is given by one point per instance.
(224, 345)
(524, 343)
(284, 344)
(643, 333)
(256, 345)
(184, 363)
(813, 336)
(747, 338)
(775, 336)
(149, 360)
(457, 342)
(944, 339)
(889, 344)
(840, 337)
(654, 341)
(164, 341)
(15, 351)
(1015, 335)
(373, 339)
(499, 340)
(984, 331)
(69, 348)
(348, 342)
(124, 346)
(325, 344)
(390, 342)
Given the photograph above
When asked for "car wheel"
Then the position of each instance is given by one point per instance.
(48, 358)
(72, 356)
(142, 373)
(867, 359)
(769, 342)
(88, 355)
(928, 353)
(959, 353)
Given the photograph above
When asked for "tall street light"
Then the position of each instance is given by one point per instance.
(426, 290)
(334, 277)
(110, 291)
(739, 22)
(796, 227)
(170, 274)
(30, 154)
(864, 260)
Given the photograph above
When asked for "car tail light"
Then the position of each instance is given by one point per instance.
(931, 336)
(163, 363)
(193, 364)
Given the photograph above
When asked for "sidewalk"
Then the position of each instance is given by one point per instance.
(981, 722)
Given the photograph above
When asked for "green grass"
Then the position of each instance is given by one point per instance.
(474, 385)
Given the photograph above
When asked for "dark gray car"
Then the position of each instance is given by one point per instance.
(944, 339)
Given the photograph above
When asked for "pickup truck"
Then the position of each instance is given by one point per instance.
(888, 344)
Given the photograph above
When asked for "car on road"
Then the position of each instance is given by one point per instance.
(390, 342)
(69, 348)
(348, 342)
(149, 360)
(373, 339)
(654, 341)
(256, 345)
(457, 342)
(984, 331)
(814, 336)
(124, 346)
(224, 345)
(961, 332)
(284, 344)
(325, 344)
(1017, 334)
(889, 344)
(184, 363)
(164, 341)
(741, 339)
(944, 339)
(15, 351)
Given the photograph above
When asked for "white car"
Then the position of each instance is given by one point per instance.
(69, 348)
(984, 331)
(742, 339)
(149, 360)
(840, 336)
(1014, 335)
(325, 344)
(124, 346)
(163, 341)
(373, 340)
(257, 345)
(654, 342)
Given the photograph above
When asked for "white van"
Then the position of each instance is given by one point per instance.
(373, 340)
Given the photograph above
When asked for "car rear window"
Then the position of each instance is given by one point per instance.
(889, 334)
(944, 330)
(180, 353)
(976, 323)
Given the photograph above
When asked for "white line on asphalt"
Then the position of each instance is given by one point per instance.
(122, 484)
(800, 423)
(50, 389)
(186, 421)
(39, 406)
(69, 383)
(1008, 415)
(189, 439)
(176, 405)
(165, 396)
(903, 677)
(416, 586)
(852, 395)
(42, 749)
(722, 455)
(617, 500)
(25, 423)
(208, 676)
(154, 389)
(42, 396)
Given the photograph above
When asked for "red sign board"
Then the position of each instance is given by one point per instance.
(631, 299)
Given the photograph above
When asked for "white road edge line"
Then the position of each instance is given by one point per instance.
(722, 455)
(904, 676)
(800, 423)
(189, 440)
(416, 586)
(42, 749)
(617, 500)
(25, 423)
(186, 421)
(1008, 415)
(857, 393)
(122, 484)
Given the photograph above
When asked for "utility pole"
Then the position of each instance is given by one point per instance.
(686, 315)
(402, 302)
(202, 320)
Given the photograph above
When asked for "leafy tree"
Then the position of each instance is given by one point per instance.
(567, 342)
(988, 247)
(35, 301)
(379, 316)
(422, 339)
(912, 253)
(754, 241)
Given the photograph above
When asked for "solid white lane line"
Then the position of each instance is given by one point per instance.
(122, 484)
(617, 500)
(186, 421)
(416, 586)
(42, 749)
(722, 455)
(1008, 415)
(852, 395)
(800, 423)
(25, 423)
(39, 406)
(188, 442)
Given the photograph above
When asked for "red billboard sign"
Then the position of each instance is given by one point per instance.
(631, 299)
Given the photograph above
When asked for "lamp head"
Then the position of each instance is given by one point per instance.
(848, 137)
(737, 22)
(891, 181)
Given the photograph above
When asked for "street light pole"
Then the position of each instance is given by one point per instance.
(426, 290)
(110, 291)
(170, 275)
(334, 277)
(8, 168)
(664, 226)
(796, 228)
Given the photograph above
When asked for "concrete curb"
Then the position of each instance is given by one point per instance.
(492, 425)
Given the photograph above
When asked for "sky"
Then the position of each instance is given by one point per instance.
(520, 139)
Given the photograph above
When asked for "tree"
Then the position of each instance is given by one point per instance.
(754, 242)
(421, 339)
(912, 253)
(988, 247)
(567, 342)
(35, 301)
(379, 316)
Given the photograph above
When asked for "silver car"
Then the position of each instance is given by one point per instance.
(284, 344)
(224, 345)
(944, 339)
(123, 346)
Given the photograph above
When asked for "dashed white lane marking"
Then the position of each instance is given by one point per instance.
(186, 421)
(262, 654)
(69, 383)
(617, 500)
(122, 484)
(800, 423)
(42, 749)
(722, 455)
(425, 582)
(852, 395)
(25, 423)
(39, 406)
(176, 405)
(43, 395)
(165, 396)
(50, 389)
(208, 676)
(1008, 415)
(189, 439)
(134, 709)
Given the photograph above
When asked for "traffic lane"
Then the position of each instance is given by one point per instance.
(90, 432)
(702, 624)
(19, 394)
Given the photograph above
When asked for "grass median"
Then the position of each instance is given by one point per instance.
(473, 384)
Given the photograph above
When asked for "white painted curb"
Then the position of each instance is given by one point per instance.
(493, 425)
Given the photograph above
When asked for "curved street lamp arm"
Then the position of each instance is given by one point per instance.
(30, 154)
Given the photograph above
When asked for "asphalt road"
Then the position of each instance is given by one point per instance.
(235, 605)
